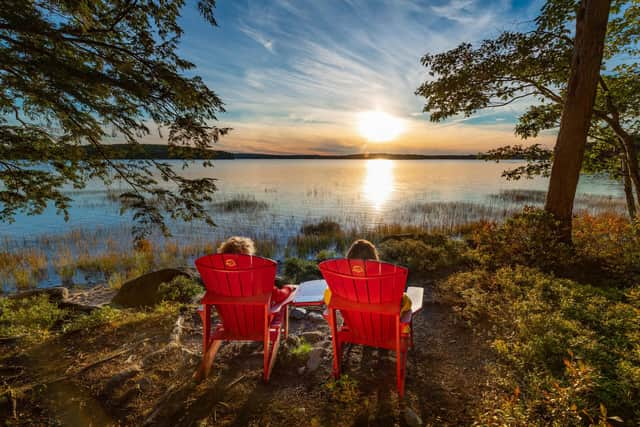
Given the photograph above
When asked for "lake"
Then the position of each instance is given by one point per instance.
(271, 199)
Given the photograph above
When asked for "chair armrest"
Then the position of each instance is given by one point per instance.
(416, 295)
(406, 317)
(210, 298)
(339, 303)
(276, 308)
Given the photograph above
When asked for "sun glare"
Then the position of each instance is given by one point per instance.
(378, 184)
(378, 126)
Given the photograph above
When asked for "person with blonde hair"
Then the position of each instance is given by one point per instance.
(365, 250)
(245, 246)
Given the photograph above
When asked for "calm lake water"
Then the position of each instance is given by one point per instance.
(370, 191)
(430, 193)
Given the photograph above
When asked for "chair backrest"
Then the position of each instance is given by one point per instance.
(367, 282)
(240, 276)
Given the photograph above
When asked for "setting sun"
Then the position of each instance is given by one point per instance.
(378, 126)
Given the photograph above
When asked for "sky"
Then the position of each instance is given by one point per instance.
(296, 76)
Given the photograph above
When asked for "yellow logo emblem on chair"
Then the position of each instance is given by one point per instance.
(230, 263)
(357, 269)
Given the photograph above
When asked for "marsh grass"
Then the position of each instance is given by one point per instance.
(241, 203)
(65, 266)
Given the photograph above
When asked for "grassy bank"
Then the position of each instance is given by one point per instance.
(562, 321)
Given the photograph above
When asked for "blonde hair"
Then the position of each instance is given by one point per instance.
(363, 249)
(237, 245)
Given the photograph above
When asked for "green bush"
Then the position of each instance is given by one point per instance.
(568, 347)
(528, 238)
(298, 270)
(325, 226)
(343, 390)
(33, 317)
(97, 317)
(424, 253)
(325, 254)
(180, 289)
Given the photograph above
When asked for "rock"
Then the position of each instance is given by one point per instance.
(143, 291)
(56, 293)
(411, 418)
(315, 359)
(313, 336)
(315, 317)
(292, 341)
(298, 313)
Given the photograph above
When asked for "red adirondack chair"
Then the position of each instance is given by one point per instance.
(368, 294)
(240, 286)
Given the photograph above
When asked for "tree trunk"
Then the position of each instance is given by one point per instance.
(628, 189)
(632, 161)
(591, 26)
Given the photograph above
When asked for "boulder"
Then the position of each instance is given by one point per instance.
(143, 291)
(297, 313)
(315, 317)
(313, 336)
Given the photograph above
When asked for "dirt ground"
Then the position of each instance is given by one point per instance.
(141, 380)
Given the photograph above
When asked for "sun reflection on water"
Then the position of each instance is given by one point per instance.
(378, 184)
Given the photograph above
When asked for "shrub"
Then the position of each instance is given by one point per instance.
(116, 280)
(325, 254)
(343, 390)
(180, 289)
(568, 347)
(241, 203)
(23, 278)
(612, 242)
(528, 238)
(302, 350)
(97, 317)
(298, 270)
(32, 317)
(423, 253)
(325, 226)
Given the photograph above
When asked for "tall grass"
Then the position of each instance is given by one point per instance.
(241, 203)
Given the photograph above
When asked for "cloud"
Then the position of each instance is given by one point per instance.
(255, 35)
(335, 59)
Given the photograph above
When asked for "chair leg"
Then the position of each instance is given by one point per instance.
(205, 315)
(207, 361)
(271, 355)
(411, 332)
(286, 321)
(337, 354)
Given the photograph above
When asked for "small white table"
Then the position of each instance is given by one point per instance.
(310, 293)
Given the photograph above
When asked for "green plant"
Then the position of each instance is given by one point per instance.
(528, 238)
(302, 350)
(569, 347)
(343, 390)
(424, 253)
(22, 278)
(324, 226)
(298, 270)
(32, 317)
(325, 254)
(116, 280)
(180, 289)
(97, 317)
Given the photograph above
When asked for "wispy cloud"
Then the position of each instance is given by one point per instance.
(295, 74)
(255, 35)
